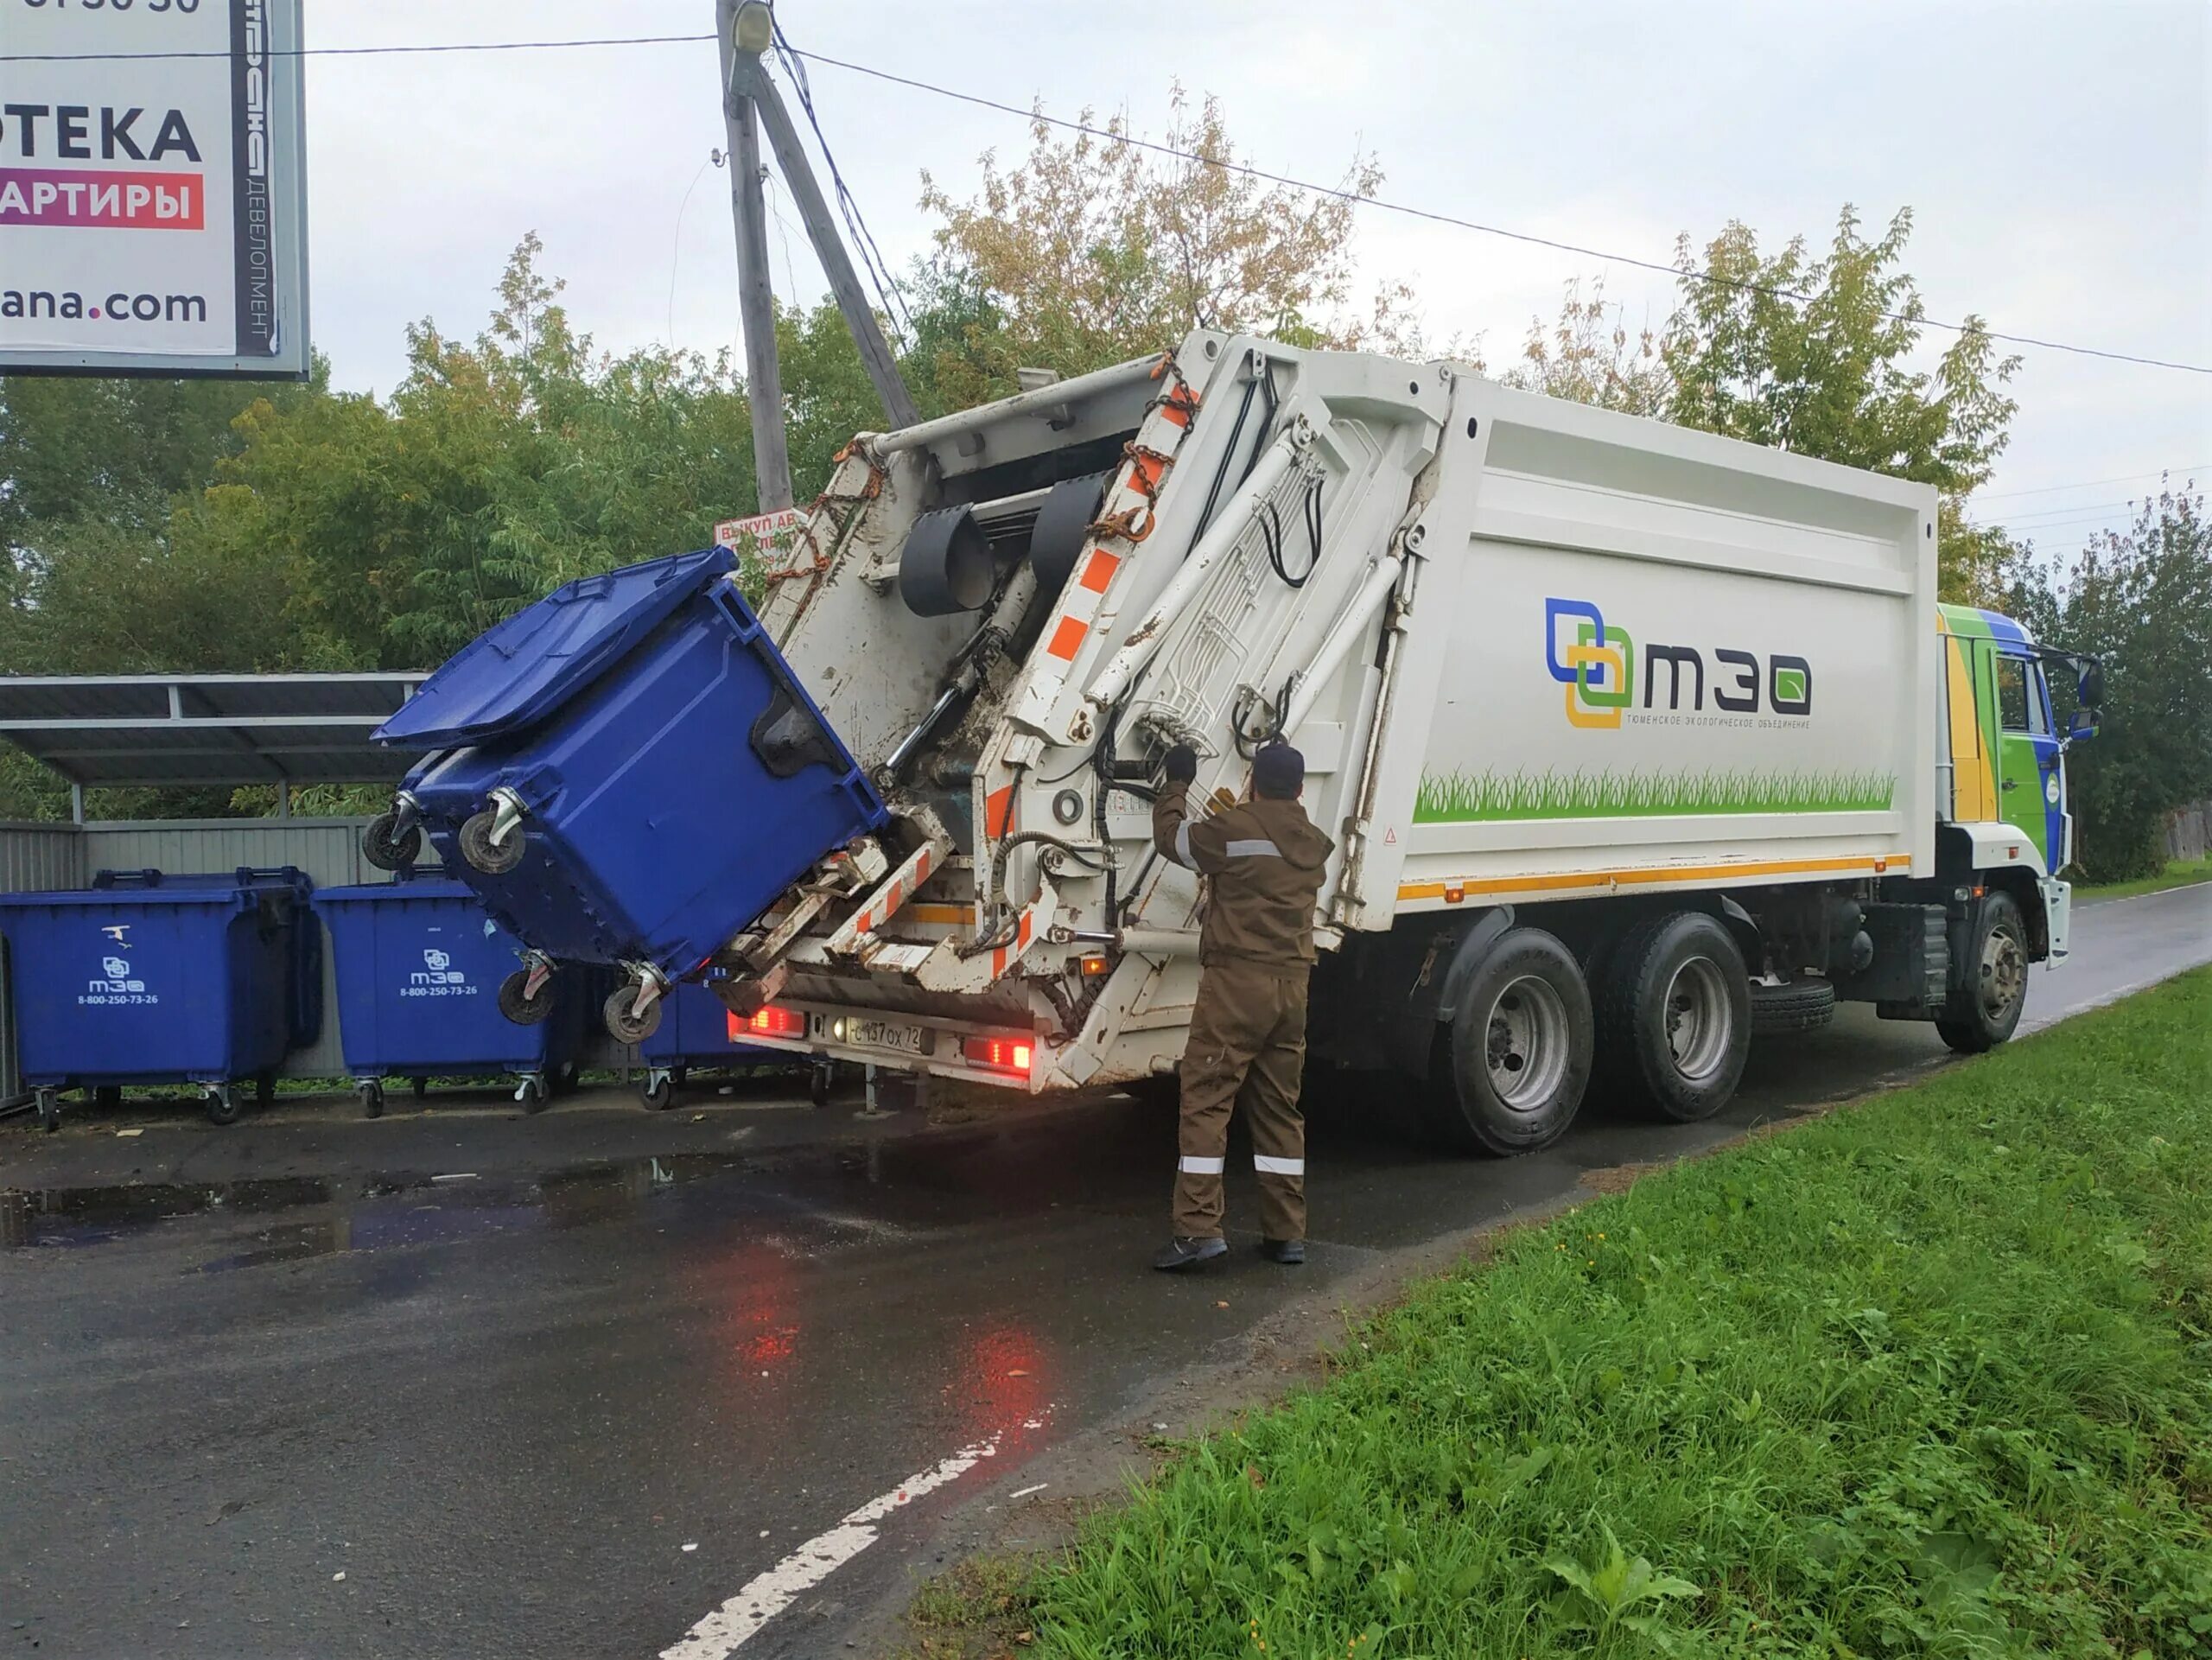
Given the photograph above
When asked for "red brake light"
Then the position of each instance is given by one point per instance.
(769, 1021)
(1000, 1054)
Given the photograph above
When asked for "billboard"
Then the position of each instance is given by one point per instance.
(153, 195)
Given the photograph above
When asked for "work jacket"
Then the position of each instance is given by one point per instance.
(1266, 861)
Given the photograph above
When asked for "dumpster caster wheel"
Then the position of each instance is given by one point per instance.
(657, 1092)
(49, 1110)
(422, 1089)
(819, 1084)
(372, 1099)
(493, 858)
(264, 1090)
(387, 847)
(223, 1106)
(108, 1095)
(531, 1093)
(517, 1005)
(624, 1025)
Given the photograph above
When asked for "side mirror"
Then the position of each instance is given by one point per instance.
(2090, 688)
(2082, 726)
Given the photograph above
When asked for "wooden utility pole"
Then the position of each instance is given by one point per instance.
(764, 382)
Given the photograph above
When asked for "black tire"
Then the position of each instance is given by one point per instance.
(49, 1110)
(531, 1093)
(493, 858)
(423, 1085)
(371, 1098)
(108, 1095)
(621, 1024)
(1675, 1016)
(657, 1092)
(387, 848)
(1800, 1006)
(1524, 1009)
(1984, 1010)
(522, 1009)
(822, 1078)
(223, 1106)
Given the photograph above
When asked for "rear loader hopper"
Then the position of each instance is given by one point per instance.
(1631, 739)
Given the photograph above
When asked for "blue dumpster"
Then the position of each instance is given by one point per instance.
(628, 771)
(149, 978)
(425, 979)
(696, 1032)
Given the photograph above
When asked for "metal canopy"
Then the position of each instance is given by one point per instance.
(100, 731)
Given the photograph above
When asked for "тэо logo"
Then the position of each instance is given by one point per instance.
(1598, 663)
(115, 967)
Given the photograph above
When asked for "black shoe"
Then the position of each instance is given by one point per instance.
(1291, 1253)
(1183, 1253)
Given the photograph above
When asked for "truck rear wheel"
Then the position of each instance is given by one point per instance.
(1512, 1065)
(1675, 1016)
(1983, 1011)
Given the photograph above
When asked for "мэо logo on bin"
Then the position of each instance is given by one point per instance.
(437, 978)
(116, 983)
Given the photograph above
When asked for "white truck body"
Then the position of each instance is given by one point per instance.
(1543, 654)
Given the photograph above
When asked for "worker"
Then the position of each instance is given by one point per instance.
(1264, 860)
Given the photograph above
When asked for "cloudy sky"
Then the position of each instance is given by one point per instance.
(2058, 158)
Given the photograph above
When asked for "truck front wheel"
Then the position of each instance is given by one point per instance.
(1986, 1007)
(1674, 1016)
(1511, 1067)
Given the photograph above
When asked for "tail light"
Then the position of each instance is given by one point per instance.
(1000, 1054)
(768, 1021)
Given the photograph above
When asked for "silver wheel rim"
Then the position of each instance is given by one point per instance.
(1700, 1021)
(1526, 1044)
(2003, 974)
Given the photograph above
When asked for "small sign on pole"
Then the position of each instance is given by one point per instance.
(764, 529)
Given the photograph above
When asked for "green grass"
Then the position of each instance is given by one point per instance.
(1465, 797)
(2178, 872)
(1931, 1376)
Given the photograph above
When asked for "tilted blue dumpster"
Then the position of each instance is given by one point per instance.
(628, 772)
(424, 979)
(696, 1032)
(149, 978)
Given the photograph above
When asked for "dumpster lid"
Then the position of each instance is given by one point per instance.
(518, 672)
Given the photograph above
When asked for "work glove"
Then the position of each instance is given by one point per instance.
(1181, 766)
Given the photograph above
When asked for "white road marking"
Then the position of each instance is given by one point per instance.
(740, 1619)
(1025, 1492)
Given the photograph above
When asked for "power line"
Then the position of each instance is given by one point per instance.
(848, 208)
(1341, 194)
(2125, 478)
(1335, 192)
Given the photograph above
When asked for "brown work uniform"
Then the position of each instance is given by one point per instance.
(1248, 1027)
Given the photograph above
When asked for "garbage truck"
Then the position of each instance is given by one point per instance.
(1633, 742)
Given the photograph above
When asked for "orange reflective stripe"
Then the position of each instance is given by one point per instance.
(1644, 876)
(1067, 638)
(1098, 570)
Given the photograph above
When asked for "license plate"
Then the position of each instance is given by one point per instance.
(888, 1035)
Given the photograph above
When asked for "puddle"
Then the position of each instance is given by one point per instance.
(371, 1214)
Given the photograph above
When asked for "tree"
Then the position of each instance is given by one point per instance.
(1094, 249)
(2141, 599)
(1829, 375)
(1589, 356)
(112, 451)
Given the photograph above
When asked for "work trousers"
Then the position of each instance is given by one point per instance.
(1247, 1045)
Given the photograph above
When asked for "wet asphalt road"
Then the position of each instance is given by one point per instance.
(302, 1396)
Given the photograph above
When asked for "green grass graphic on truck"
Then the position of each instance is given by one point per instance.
(1486, 797)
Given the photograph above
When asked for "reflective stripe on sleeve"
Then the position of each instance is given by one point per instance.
(1257, 847)
(1183, 845)
(1267, 1166)
(1192, 1165)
